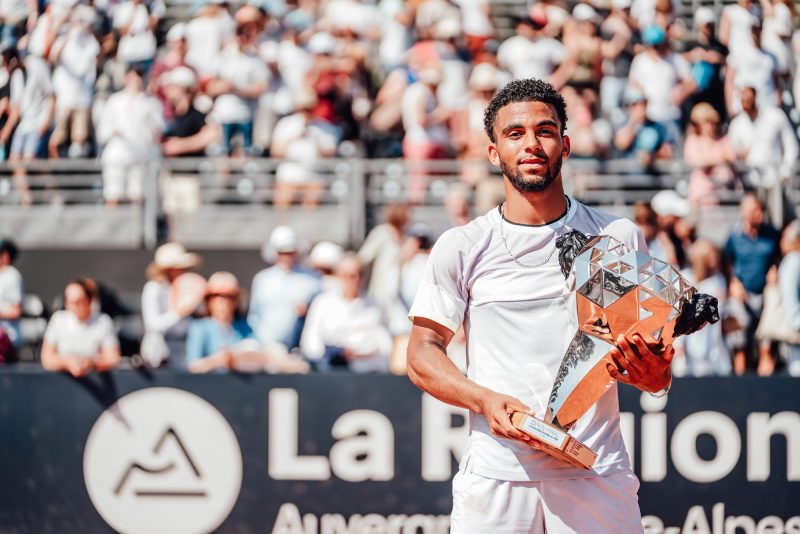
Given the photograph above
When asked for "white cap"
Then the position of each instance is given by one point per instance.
(704, 15)
(325, 255)
(584, 13)
(283, 239)
(669, 202)
(322, 43)
(484, 77)
(174, 256)
(177, 32)
(181, 77)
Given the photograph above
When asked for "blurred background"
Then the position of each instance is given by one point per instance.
(211, 187)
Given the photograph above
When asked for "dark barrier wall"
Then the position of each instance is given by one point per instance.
(353, 454)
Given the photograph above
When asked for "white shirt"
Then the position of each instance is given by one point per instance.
(205, 37)
(355, 324)
(159, 317)
(741, 22)
(14, 11)
(242, 70)
(657, 77)
(769, 141)
(75, 71)
(531, 59)
(518, 325)
(293, 63)
(130, 126)
(754, 68)
(74, 338)
(11, 293)
(31, 92)
(475, 20)
(413, 123)
(296, 127)
(139, 43)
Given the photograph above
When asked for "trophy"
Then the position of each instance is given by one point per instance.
(616, 291)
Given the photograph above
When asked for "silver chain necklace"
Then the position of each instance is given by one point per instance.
(505, 241)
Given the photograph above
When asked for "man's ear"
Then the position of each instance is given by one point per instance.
(566, 147)
(493, 156)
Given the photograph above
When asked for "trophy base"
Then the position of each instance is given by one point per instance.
(555, 441)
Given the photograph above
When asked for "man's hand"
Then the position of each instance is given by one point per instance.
(497, 410)
(647, 367)
(79, 367)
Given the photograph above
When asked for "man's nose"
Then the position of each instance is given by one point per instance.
(532, 143)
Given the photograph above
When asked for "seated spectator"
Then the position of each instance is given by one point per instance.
(166, 319)
(79, 340)
(11, 293)
(709, 154)
(280, 295)
(345, 329)
(640, 137)
(324, 258)
(130, 128)
(224, 340)
(789, 282)
(188, 134)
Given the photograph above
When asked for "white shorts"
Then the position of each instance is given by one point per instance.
(597, 505)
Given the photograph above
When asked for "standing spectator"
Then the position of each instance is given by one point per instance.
(166, 319)
(584, 52)
(206, 35)
(789, 282)
(531, 53)
(617, 31)
(752, 67)
(173, 56)
(425, 122)
(130, 129)
(346, 328)
(707, 56)
(240, 80)
(735, 25)
(188, 134)
(664, 77)
(779, 16)
(752, 249)
(709, 154)
(280, 295)
(75, 58)
(135, 21)
(79, 340)
(706, 353)
(12, 68)
(764, 139)
(11, 294)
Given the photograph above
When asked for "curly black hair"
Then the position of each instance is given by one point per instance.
(529, 90)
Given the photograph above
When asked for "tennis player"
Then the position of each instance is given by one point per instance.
(498, 277)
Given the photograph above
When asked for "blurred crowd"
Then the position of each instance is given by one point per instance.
(307, 79)
(328, 309)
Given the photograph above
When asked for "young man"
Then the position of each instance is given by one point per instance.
(499, 276)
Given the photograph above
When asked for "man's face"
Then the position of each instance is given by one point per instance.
(748, 100)
(752, 212)
(529, 147)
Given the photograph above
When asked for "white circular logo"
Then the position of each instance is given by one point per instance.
(162, 460)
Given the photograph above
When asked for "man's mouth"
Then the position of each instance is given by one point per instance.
(533, 161)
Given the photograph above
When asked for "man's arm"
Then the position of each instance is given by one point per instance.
(431, 370)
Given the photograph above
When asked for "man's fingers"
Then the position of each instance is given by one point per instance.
(669, 352)
(616, 375)
(629, 353)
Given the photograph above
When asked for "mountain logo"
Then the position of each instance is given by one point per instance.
(162, 460)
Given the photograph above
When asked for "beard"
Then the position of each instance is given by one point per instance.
(534, 184)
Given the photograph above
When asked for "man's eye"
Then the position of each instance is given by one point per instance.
(546, 133)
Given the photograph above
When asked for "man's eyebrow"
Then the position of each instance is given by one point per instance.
(547, 122)
(510, 127)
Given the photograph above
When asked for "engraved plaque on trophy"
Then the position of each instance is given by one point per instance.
(616, 291)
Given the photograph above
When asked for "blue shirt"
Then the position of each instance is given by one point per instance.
(751, 258)
(274, 297)
(207, 337)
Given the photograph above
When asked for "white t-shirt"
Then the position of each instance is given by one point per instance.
(242, 70)
(130, 127)
(139, 43)
(11, 293)
(769, 140)
(31, 93)
(531, 59)
(75, 72)
(205, 37)
(657, 77)
(74, 338)
(293, 63)
(741, 22)
(475, 20)
(413, 123)
(754, 68)
(518, 325)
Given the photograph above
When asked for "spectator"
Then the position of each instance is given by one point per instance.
(324, 258)
(640, 137)
(188, 134)
(78, 340)
(664, 78)
(301, 140)
(530, 53)
(280, 295)
(206, 35)
(13, 73)
(619, 36)
(751, 67)
(752, 249)
(224, 340)
(709, 154)
(707, 57)
(173, 56)
(763, 138)
(16, 16)
(11, 294)
(673, 210)
(779, 16)
(75, 58)
(135, 21)
(705, 352)
(129, 130)
(658, 242)
(166, 318)
(241, 78)
(584, 52)
(735, 25)
(345, 328)
(789, 281)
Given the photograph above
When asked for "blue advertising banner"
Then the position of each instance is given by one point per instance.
(168, 452)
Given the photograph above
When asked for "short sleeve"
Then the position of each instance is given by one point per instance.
(109, 338)
(441, 296)
(54, 328)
